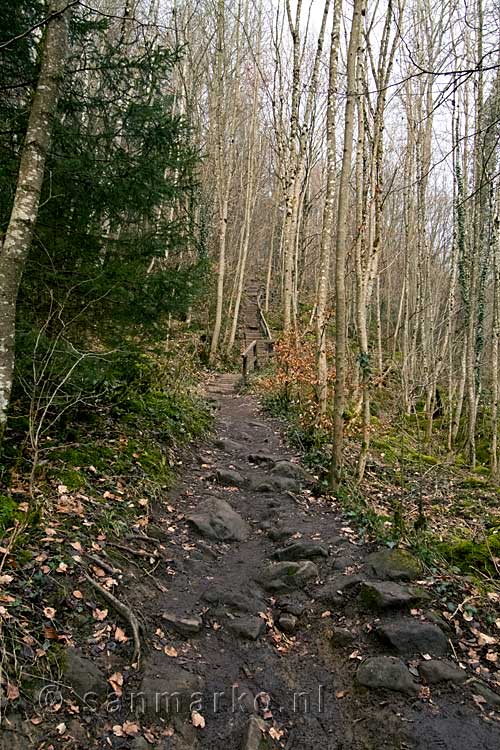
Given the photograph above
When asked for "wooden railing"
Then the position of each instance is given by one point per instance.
(249, 357)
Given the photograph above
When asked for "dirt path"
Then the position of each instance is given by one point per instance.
(311, 671)
(276, 627)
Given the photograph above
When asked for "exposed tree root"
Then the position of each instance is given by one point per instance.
(125, 612)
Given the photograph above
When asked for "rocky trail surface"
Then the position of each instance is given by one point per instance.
(273, 627)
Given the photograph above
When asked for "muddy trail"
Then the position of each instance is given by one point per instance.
(272, 626)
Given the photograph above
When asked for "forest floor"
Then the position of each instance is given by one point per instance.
(269, 619)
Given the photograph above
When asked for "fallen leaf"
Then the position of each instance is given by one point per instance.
(100, 614)
(5, 579)
(170, 651)
(50, 633)
(130, 728)
(341, 693)
(276, 734)
(486, 640)
(116, 682)
(197, 720)
(78, 594)
(120, 635)
(49, 612)
(61, 728)
(12, 691)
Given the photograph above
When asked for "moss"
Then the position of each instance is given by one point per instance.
(469, 555)
(472, 482)
(8, 508)
(71, 478)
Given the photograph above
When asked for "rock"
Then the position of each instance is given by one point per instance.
(263, 487)
(261, 459)
(287, 576)
(289, 470)
(342, 637)
(249, 627)
(342, 562)
(292, 606)
(230, 446)
(278, 534)
(386, 672)
(410, 637)
(337, 585)
(394, 565)
(232, 600)
(287, 623)
(254, 737)
(18, 734)
(83, 676)
(166, 690)
(183, 625)
(301, 551)
(139, 743)
(386, 595)
(479, 688)
(284, 484)
(230, 478)
(217, 520)
(441, 671)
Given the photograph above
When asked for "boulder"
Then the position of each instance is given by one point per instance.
(289, 470)
(183, 625)
(300, 551)
(217, 520)
(394, 565)
(166, 690)
(288, 576)
(284, 484)
(83, 676)
(441, 671)
(389, 595)
(234, 601)
(386, 672)
(230, 478)
(410, 637)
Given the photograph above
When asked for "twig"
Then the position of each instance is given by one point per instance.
(104, 565)
(125, 612)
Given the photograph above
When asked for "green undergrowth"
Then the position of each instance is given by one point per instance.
(104, 461)
(460, 528)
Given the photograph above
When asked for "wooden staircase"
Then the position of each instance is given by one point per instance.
(257, 341)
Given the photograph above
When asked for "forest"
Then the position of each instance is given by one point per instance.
(249, 374)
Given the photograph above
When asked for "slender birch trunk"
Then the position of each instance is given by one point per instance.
(341, 248)
(19, 234)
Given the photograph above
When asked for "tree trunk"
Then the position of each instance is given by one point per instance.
(341, 249)
(19, 234)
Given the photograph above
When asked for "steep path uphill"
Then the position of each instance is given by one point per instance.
(275, 627)
(276, 600)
